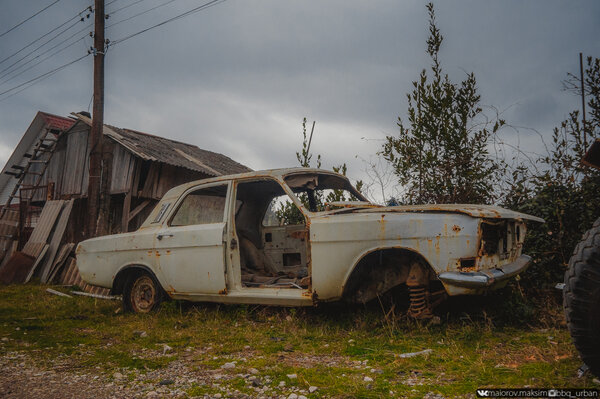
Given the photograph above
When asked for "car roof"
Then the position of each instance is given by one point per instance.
(280, 174)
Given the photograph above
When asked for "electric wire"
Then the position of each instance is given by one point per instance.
(42, 60)
(140, 13)
(38, 47)
(2, 76)
(40, 78)
(25, 85)
(125, 7)
(110, 2)
(27, 19)
(182, 15)
(78, 15)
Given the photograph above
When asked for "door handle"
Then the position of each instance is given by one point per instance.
(161, 236)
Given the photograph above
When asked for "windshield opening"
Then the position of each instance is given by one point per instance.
(318, 191)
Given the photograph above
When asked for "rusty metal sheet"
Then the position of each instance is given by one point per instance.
(17, 268)
(479, 211)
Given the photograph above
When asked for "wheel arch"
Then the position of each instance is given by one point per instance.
(126, 272)
(393, 262)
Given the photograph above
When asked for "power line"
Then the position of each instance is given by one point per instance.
(38, 47)
(42, 60)
(2, 76)
(78, 15)
(140, 13)
(182, 15)
(125, 7)
(27, 19)
(40, 77)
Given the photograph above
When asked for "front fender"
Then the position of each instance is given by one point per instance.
(362, 256)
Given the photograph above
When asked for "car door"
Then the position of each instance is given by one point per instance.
(190, 245)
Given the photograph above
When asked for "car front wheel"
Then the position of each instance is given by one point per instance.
(142, 294)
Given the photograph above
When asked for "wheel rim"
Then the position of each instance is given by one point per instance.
(143, 295)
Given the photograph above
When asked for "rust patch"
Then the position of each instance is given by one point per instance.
(300, 234)
(456, 228)
(223, 291)
(382, 228)
(468, 264)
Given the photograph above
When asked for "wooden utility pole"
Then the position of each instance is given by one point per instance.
(95, 138)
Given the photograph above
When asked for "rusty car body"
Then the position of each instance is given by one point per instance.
(219, 240)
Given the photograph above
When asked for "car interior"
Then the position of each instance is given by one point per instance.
(273, 252)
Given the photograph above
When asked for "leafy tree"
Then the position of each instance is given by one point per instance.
(287, 212)
(560, 189)
(441, 152)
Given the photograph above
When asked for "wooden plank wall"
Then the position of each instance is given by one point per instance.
(54, 173)
(75, 162)
(69, 170)
(122, 170)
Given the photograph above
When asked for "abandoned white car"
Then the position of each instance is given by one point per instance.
(297, 237)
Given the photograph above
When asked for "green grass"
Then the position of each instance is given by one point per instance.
(326, 347)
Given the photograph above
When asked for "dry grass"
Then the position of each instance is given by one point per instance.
(332, 347)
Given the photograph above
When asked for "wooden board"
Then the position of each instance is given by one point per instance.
(44, 227)
(55, 240)
(34, 248)
(39, 258)
(8, 233)
(75, 157)
(54, 172)
(122, 170)
(60, 260)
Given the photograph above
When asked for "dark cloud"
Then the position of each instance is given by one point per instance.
(238, 78)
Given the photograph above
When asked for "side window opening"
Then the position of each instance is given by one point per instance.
(203, 206)
(282, 212)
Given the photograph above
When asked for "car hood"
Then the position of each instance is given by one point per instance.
(479, 211)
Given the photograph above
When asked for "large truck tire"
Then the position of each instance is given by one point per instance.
(581, 298)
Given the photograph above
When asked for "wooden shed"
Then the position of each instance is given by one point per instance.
(52, 163)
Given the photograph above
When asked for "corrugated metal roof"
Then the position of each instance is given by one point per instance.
(171, 152)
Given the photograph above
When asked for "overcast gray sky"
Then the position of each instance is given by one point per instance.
(238, 78)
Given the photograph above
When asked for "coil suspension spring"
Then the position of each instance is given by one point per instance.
(419, 302)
